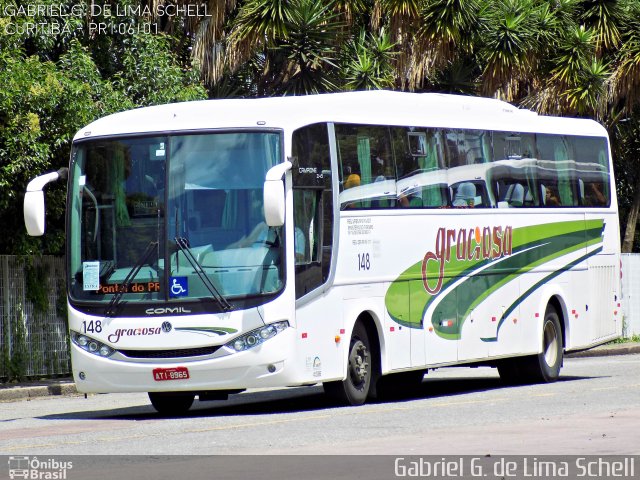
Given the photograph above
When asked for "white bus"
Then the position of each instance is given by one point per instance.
(221, 245)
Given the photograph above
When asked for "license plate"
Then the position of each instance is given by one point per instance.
(163, 374)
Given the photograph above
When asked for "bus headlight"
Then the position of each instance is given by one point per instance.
(91, 345)
(256, 337)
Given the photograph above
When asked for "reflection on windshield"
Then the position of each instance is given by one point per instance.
(117, 210)
(212, 186)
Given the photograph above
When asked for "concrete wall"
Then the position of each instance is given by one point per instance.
(631, 293)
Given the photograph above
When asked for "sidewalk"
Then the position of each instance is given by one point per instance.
(66, 386)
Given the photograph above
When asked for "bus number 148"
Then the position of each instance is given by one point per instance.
(364, 261)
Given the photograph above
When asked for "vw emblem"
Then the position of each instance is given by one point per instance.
(166, 327)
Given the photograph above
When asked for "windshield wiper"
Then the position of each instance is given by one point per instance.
(117, 297)
(183, 245)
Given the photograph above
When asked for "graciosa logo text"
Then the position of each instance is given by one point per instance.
(134, 332)
(470, 244)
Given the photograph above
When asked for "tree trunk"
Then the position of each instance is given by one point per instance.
(632, 220)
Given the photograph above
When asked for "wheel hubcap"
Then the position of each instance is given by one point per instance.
(550, 344)
(359, 363)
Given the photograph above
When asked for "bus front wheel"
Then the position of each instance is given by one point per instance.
(169, 403)
(354, 389)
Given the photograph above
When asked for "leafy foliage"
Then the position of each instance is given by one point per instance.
(52, 85)
(566, 57)
(368, 64)
(308, 55)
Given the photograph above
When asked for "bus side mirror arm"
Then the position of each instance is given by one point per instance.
(33, 207)
(274, 199)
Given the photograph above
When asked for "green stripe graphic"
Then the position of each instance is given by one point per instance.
(407, 300)
(207, 330)
(526, 294)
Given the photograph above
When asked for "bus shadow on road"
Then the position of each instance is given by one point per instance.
(308, 399)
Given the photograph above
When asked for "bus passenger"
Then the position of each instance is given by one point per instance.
(551, 197)
(353, 179)
(465, 195)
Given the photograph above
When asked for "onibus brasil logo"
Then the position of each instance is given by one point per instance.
(36, 469)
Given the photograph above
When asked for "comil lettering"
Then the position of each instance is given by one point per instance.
(166, 310)
(470, 244)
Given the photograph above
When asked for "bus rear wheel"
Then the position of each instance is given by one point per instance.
(545, 367)
(170, 403)
(354, 389)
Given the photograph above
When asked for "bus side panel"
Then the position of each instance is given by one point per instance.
(439, 349)
(578, 315)
(604, 283)
(374, 251)
(319, 321)
(507, 330)
(604, 301)
(596, 316)
(397, 354)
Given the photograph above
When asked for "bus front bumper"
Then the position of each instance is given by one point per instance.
(267, 365)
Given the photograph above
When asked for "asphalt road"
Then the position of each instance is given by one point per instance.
(593, 409)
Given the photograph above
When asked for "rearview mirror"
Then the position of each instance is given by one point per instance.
(33, 207)
(273, 195)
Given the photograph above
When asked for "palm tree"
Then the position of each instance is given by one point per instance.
(625, 80)
(606, 18)
(446, 33)
(515, 37)
(459, 76)
(309, 48)
(627, 151)
(624, 92)
(576, 78)
(401, 19)
(368, 62)
(206, 32)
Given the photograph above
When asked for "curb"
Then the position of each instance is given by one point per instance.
(608, 350)
(21, 392)
(68, 387)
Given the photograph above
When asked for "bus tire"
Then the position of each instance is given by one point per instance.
(545, 367)
(397, 385)
(510, 372)
(171, 403)
(354, 389)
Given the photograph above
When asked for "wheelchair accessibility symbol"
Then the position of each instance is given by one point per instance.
(179, 286)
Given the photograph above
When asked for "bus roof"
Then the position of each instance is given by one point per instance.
(376, 107)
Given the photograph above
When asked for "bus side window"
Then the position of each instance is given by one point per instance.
(366, 167)
(312, 208)
(592, 193)
(305, 215)
(515, 195)
(420, 168)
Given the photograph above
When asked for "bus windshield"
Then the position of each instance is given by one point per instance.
(143, 209)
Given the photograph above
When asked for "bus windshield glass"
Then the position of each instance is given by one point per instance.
(143, 209)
